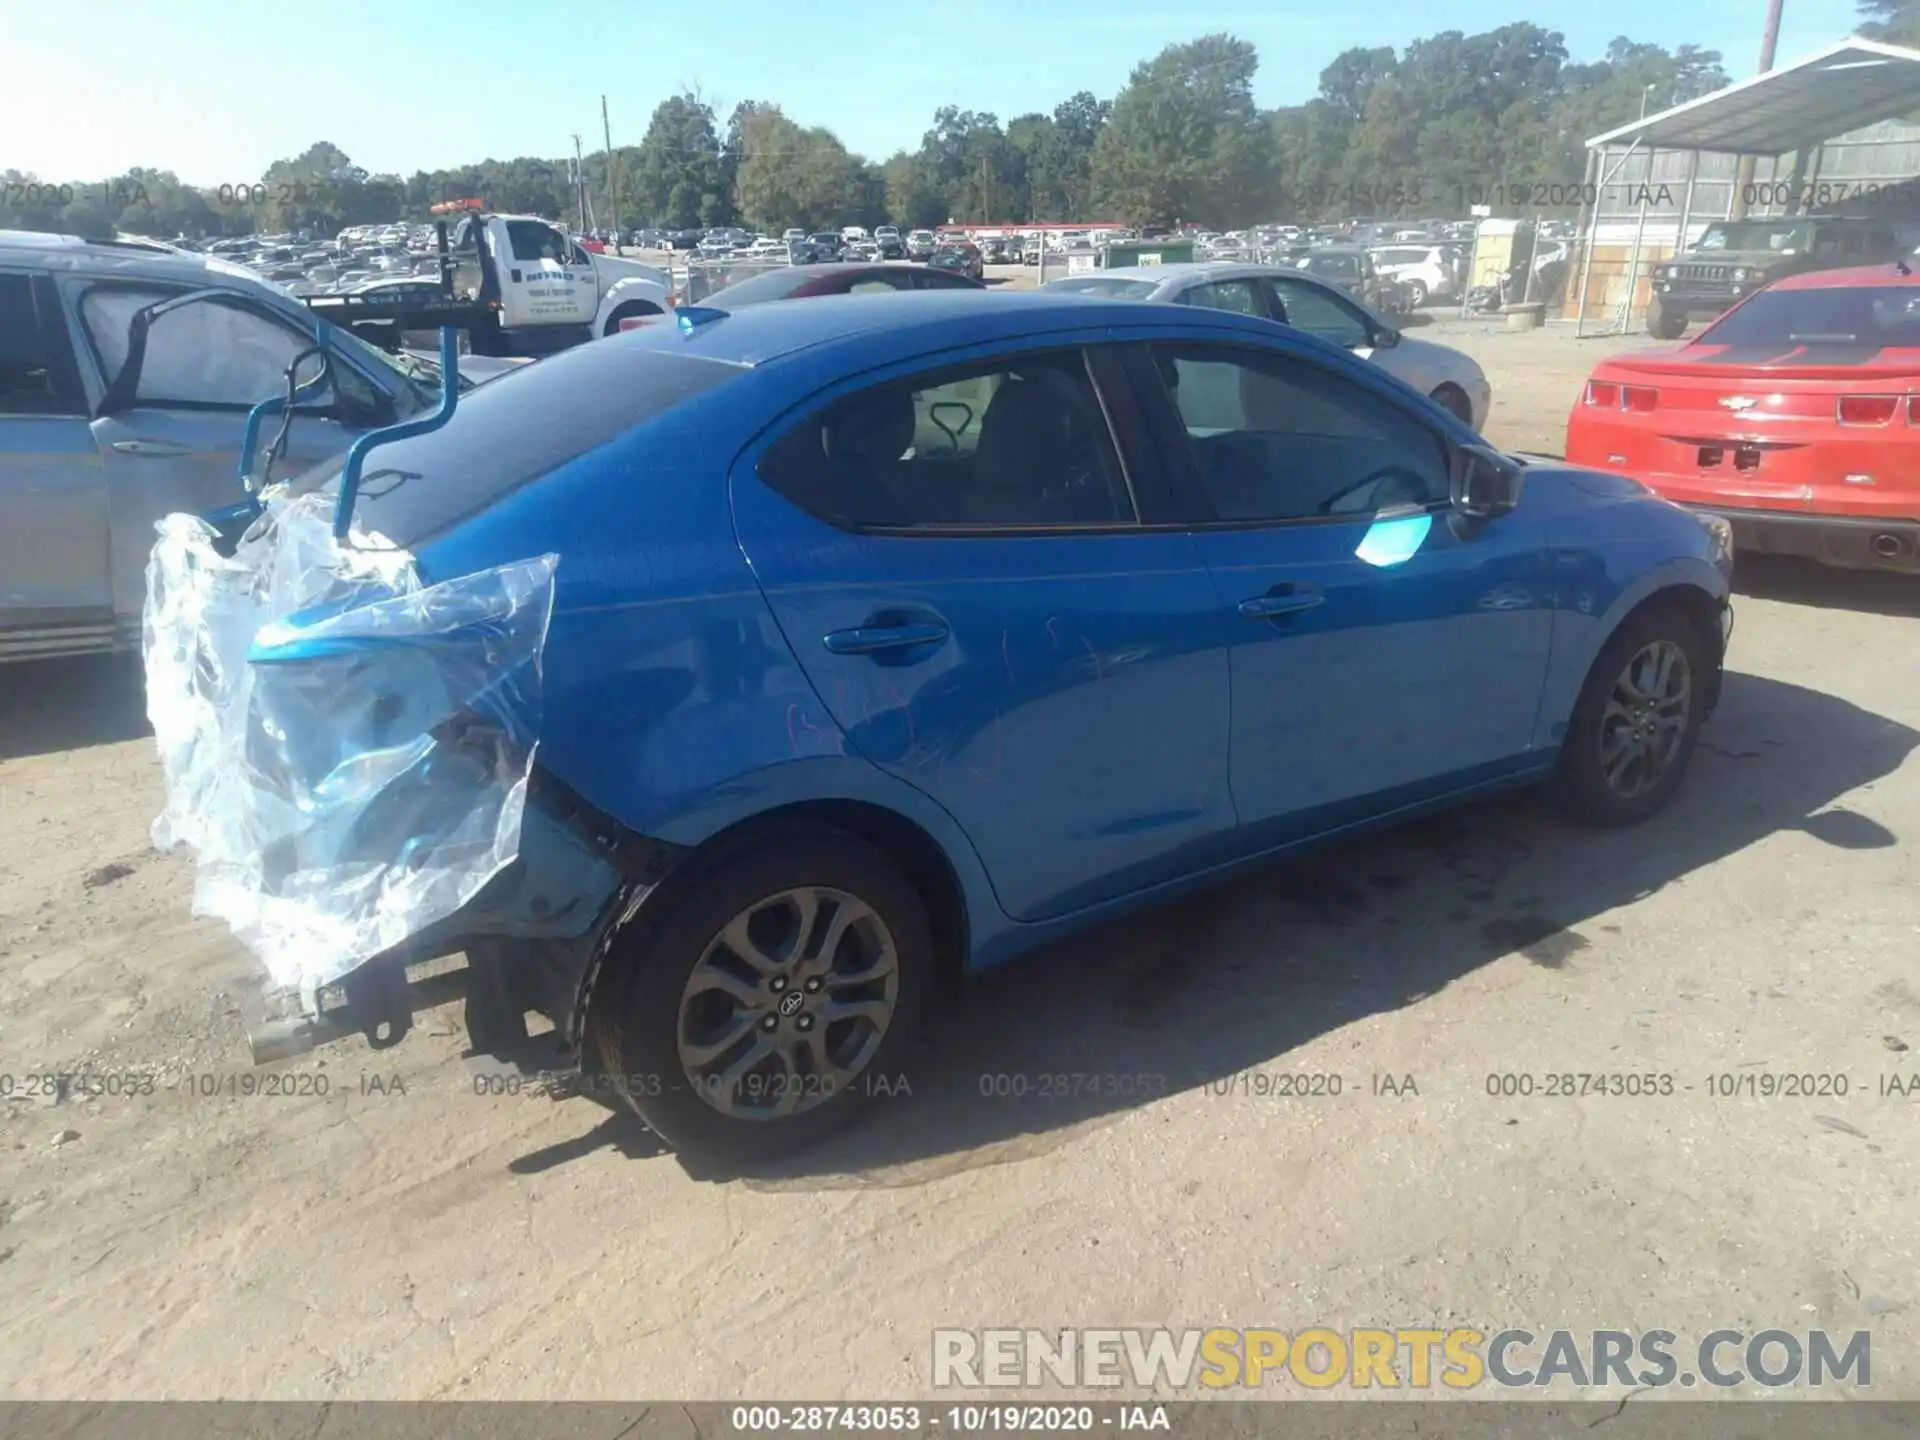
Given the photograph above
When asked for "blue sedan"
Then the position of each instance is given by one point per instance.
(895, 635)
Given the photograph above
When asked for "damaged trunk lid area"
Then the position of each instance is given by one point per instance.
(348, 742)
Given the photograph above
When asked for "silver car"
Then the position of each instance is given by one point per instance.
(118, 407)
(1307, 303)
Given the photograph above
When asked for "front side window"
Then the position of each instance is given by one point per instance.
(1319, 312)
(1277, 439)
(209, 353)
(1017, 443)
(532, 242)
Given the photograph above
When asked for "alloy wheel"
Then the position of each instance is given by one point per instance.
(788, 1003)
(1645, 719)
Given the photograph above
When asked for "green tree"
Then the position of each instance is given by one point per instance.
(1895, 21)
(791, 176)
(966, 158)
(1058, 153)
(914, 201)
(1185, 140)
(678, 179)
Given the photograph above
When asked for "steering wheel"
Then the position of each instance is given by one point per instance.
(1416, 487)
(952, 432)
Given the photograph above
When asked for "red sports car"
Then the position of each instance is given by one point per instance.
(1796, 415)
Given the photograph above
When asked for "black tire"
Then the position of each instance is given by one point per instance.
(1580, 784)
(1664, 322)
(628, 311)
(1451, 399)
(637, 1025)
(1416, 293)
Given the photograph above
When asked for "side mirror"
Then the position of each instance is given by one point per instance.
(1486, 483)
(1385, 337)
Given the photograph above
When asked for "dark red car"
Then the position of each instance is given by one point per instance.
(798, 282)
(1796, 415)
(960, 257)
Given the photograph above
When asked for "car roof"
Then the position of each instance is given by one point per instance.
(897, 324)
(1884, 273)
(133, 259)
(1195, 271)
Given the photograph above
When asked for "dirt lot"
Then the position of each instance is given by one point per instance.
(401, 1236)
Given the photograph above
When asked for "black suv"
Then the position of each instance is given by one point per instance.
(1736, 257)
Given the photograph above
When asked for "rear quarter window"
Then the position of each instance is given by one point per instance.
(513, 430)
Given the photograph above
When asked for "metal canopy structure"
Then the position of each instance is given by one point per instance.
(1831, 92)
(1790, 109)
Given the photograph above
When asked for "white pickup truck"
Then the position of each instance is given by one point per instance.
(519, 285)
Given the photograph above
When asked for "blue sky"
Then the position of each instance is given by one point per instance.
(217, 90)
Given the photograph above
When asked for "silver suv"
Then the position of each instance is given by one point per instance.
(117, 408)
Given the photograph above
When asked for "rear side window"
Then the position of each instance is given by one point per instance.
(37, 376)
(1015, 443)
(513, 430)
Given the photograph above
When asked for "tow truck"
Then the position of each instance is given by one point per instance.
(516, 284)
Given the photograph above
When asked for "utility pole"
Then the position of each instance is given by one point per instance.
(1743, 177)
(613, 185)
(580, 184)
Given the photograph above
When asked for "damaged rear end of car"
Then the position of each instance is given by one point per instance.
(348, 679)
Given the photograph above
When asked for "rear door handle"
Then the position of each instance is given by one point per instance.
(866, 639)
(150, 447)
(1283, 599)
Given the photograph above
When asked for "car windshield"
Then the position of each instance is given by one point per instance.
(1111, 286)
(1784, 237)
(1879, 316)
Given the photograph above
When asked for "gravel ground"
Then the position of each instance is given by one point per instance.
(401, 1236)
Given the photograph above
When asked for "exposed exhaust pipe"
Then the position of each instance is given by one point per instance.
(1889, 547)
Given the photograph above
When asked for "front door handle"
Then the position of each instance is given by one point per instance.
(161, 448)
(1284, 599)
(866, 639)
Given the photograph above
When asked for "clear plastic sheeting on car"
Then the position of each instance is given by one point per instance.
(345, 747)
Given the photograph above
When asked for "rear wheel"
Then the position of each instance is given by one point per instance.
(1636, 722)
(1416, 293)
(780, 987)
